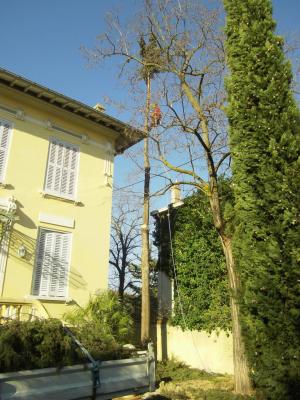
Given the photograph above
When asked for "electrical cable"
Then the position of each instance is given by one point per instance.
(156, 176)
(178, 291)
(176, 278)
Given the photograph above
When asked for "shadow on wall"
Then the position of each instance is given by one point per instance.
(20, 240)
(24, 220)
(162, 339)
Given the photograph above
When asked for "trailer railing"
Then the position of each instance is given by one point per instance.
(114, 379)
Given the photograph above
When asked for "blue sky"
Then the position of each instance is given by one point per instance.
(41, 40)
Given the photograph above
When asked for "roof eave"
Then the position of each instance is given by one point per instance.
(128, 134)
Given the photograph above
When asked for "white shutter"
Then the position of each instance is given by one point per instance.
(52, 264)
(68, 182)
(43, 264)
(46, 263)
(64, 265)
(55, 264)
(54, 168)
(62, 169)
(38, 264)
(5, 130)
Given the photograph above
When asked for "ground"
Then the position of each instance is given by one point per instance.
(177, 381)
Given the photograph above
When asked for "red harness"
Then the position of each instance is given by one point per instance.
(156, 116)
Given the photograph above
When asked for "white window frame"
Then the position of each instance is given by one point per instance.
(11, 127)
(54, 193)
(48, 296)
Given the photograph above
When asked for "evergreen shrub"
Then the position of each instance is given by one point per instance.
(173, 370)
(35, 344)
(103, 326)
(104, 323)
(264, 126)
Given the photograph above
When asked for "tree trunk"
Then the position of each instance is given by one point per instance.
(145, 317)
(121, 285)
(242, 383)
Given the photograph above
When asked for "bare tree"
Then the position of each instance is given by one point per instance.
(124, 250)
(192, 67)
(195, 63)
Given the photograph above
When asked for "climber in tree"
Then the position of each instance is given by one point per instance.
(155, 115)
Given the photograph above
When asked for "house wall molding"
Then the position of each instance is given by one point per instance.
(56, 220)
(51, 125)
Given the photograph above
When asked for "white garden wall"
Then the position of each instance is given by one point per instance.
(212, 353)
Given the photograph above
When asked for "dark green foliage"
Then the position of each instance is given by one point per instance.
(38, 344)
(183, 382)
(265, 143)
(103, 326)
(43, 344)
(173, 370)
(104, 323)
(134, 303)
(200, 266)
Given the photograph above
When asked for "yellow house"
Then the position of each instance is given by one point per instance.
(56, 168)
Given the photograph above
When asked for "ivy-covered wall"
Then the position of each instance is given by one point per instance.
(201, 290)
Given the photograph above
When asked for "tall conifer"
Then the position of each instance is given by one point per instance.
(265, 143)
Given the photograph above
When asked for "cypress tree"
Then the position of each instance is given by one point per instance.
(265, 143)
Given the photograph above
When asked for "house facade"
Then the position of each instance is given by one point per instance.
(56, 170)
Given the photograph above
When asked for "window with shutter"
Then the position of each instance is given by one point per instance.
(52, 264)
(5, 134)
(61, 175)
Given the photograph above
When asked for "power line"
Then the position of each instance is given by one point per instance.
(173, 262)
(156, 176)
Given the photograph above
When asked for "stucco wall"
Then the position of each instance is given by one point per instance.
(25, 175)
(212, 353)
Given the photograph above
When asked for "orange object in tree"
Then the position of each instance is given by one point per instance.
(155, 116)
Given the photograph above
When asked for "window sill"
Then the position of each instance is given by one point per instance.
(65, 300)
(47, 195)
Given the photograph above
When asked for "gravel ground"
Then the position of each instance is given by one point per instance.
(218, 388)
